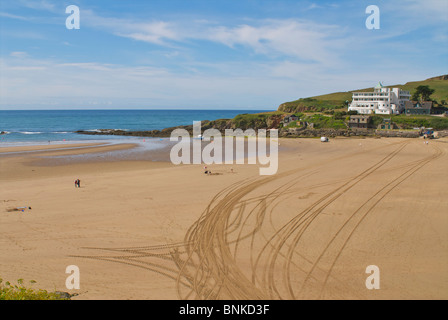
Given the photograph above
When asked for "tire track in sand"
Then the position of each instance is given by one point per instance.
(299, 224)
(204, 263)
(374, 200)
(215, 255)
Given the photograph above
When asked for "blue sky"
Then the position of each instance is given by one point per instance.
(211, 54)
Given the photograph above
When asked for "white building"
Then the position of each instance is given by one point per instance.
(381, 101)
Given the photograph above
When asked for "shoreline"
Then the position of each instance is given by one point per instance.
(283, 133)
(41, 147)
(28, 162)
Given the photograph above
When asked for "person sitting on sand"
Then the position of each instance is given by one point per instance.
(19, 209)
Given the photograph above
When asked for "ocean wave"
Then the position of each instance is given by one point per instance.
(34, 132)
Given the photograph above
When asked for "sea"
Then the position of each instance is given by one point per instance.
(34, 127)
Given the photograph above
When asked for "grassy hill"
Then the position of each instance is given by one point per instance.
(439, 84)
(338, 100)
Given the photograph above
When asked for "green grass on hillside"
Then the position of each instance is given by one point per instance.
(311, 104)
(440, 87)
(244, 121)
(411, 122)
(326, 122)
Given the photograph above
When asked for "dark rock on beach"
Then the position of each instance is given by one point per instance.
(285, 133)
(64, 295)
(114, 132)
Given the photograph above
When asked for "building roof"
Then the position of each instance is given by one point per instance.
(359, 116)
(379, 85)
(359, 119)
(418, 105)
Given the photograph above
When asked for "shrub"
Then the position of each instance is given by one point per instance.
(321, 121)
(20, 292)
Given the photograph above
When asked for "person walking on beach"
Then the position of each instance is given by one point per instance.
(78, 183)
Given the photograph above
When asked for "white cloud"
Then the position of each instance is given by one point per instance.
(12, 16)
(156, 32)
(292, 58)
(259, 85)
(26, 68)
(429, 10)
(301, 39)
(71, 84)
(38, 5)
(314, 6)
(18, 54)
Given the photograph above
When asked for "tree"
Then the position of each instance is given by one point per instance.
(339, 115)
(422, 93)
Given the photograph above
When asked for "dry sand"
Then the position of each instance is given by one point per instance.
(152, 230)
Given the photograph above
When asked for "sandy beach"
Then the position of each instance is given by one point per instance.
(144, 229)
